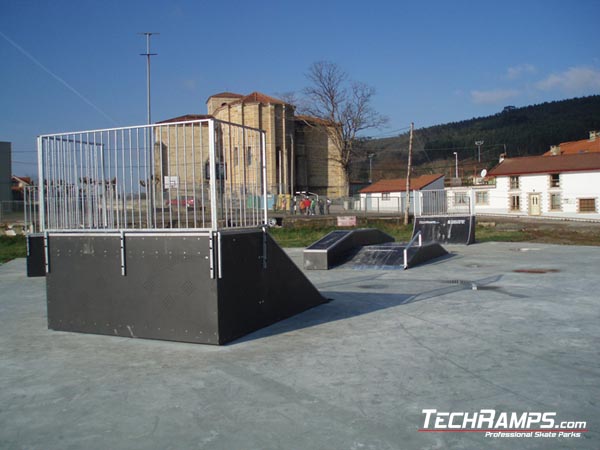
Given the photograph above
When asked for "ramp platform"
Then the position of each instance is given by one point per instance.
(391, 256)
(339, 245)
(208, 288)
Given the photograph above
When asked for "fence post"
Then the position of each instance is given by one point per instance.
(472, 202)
(41, 185)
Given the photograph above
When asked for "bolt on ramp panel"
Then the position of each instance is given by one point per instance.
(339, 245)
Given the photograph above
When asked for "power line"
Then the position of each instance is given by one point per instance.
(56, 77)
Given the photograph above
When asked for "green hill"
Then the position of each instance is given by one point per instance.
(530, 130)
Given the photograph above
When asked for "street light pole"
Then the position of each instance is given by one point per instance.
(370, 156)
(148, 55)
(455, 165)
(478, 144)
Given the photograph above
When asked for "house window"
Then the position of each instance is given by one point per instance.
(385, 196)
(481, 198)
(555, 202)
(461, 198)
(249, 157)
(514, 182)
(587, 205)
(515, 203)
(554, 180)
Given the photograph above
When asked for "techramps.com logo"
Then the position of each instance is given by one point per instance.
(496, 424)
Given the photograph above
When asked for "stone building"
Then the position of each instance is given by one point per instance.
(300, 156)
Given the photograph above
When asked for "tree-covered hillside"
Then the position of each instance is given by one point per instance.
(530, 130)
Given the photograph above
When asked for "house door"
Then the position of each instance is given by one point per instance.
(534, 205)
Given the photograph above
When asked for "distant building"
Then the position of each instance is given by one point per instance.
(5, 171)
(390, 195)
(18, 185)
(590, 145)
(299, 154)
(555, 185)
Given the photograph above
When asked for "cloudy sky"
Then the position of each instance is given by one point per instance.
(75, 65)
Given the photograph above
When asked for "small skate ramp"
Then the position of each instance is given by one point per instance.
(339, 245)
(446, 229)
(368, 248)
(394, 255)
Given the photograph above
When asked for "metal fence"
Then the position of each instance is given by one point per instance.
(11, 211)
(201, 174)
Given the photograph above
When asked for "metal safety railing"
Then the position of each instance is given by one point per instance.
(440, 202)
(201, 174)
(416, 237)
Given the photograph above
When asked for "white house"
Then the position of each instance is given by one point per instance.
(390, 195)
(559, 185)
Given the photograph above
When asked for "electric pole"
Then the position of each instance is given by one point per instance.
(148, 55)
(410, 143)
(478, 144)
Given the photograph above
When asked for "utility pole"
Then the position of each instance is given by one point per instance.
(478, 144)
(370, 156)
(410, 143)
(148, 55)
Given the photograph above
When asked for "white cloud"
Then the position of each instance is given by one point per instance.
(493, 96)
(512, 73)
(575, 80)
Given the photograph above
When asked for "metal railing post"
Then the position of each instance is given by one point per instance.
(213, 174)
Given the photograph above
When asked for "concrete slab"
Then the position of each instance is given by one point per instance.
(461, 334)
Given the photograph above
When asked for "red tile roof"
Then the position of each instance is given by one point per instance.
(580, 162)
(258, 97)
(575, 147)
(187, 118)
(399, 184)
(225, 95)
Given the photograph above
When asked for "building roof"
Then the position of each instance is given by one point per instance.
(399, 184)
(225, 95)
(259, 97)
(186, 118)
(583, 146)
(579, 162)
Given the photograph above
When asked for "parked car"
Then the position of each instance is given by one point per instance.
(181, 202)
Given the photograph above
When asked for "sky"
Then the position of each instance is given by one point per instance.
(70, 65)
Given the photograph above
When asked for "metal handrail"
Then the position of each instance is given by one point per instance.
(410, 244)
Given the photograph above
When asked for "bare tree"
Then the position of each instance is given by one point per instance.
(344, 107)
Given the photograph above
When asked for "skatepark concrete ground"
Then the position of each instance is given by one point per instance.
(512, 327)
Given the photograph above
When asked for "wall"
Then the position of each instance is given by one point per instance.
(573, 185)
(5, 171)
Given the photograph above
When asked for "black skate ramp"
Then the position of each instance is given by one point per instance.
(391, 256)
(368, 248)
(446, 229)
(340, 245)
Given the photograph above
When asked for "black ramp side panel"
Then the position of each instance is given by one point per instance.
(251, 296)
(446, 229)
(36, 257)
(420, 255)
(339, 246)
(167, 292)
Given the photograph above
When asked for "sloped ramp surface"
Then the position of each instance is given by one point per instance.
(390, 256)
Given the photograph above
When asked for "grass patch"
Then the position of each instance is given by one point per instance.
(12, 247)
(305, 234)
